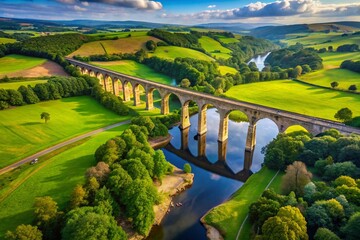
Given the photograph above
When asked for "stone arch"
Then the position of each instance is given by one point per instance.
(165, 101)
(100, 76)
(108, 83)
(238, 115)
(152, 95)
(91, 73)
(136, 92)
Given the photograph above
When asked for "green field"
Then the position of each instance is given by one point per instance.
(135, 69)
(225, 69)
(172, 52)
(229, 216)
(55, 177)
(13, 63)
(319, 40)
(224, 39)
(17, 84)
(296, 97)
(119, 34)
(24, 133)
(332, 72)
(121, 45)
(7, 40)
(212, 46)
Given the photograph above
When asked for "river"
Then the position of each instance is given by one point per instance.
(209, 189)
(259, 60)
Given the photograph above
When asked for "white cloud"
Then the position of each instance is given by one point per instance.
(138, 4)
(212, 6)
(86, 4)
(79, 9)
(67, 1)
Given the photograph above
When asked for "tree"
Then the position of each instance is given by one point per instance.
(352, 228)
(185, 83)
(160, 164)
(336, 170)
(24, 232)
(325, 234)
(78, 197)
(45, 210)
(45, 116)
(289, 223)
(118, 181)
(15, 97)
(136, 169)
(100, 172)
(345, 180)
(296, 178)
(274, 158)
(334, 84)
(151, 45)
(261, 210)
(187, 168)
(344, 114)
(306, 68)
(353, 87)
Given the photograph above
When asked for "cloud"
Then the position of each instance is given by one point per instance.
(79, 9)
(138, 4)
(212, 6)
(280, 8)
(66, 1)
(86, 4)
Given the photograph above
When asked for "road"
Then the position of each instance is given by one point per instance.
(60, 145)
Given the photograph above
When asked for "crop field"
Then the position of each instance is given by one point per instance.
(321, 40)
(13, 63)
(119, 34)
(17, 84)
(296, 97)
(215, 48)
(55, 177)
(24, 133)
(122, 45)
(332, 72)
(172, 52)
(135, 69)
(225, 69)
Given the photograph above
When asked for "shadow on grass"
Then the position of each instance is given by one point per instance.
(11, 221)
(31, 123)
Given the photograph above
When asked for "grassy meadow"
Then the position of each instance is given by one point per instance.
(296, 97)
(7, 40)
(24, 133)
(332, 71)
(229, 216)
(17, 84)
(172, 52)
(55, 177)
(224, 39)
(225, 69)
(13, 63)
(211, 46)
(135, 69)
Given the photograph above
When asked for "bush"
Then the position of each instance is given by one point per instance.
(187, 168)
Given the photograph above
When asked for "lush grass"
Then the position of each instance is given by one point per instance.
(13, 63)
(172, 52)
(224, 39)
(55, 177)
(17, 84)
(7, 40)
(212, 46)
(133, 68)
(225, 69)
(296, 97)
(321, 40)
(332, 72)
(119, 34)
(122, 45)
(227, 217)
(24, 133)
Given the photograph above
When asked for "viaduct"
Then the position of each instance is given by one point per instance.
(111, 80)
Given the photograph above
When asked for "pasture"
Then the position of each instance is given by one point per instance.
(172, 52)
(121, 45)
(16, 84)
(332, 72)
(135, 69)
(225, 69)
(24, 133)
(7, 40)
(215, 48)
(224, 39)
(296, 97)
(55, 177)
(13, 63)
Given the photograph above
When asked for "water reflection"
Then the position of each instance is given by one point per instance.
(210, 189)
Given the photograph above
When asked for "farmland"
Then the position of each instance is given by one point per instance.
(13, 63)
(172, 52)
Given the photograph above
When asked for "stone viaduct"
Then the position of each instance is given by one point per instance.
(283, 119)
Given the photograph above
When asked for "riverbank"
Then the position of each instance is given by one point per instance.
(170, 186)
(224, 220)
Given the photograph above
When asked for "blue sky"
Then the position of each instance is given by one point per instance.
(186, 11)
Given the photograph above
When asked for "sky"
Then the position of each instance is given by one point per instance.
(187, 12)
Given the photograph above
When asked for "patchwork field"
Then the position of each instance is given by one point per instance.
(224, 39)
(7, 40)
(215, 48)
(24, 133)
(172, 52)
(16, 85)
(296, 97)
(122, 45)
(225, 69)
(135, 69)
(332, 72)
(321, 40)
(55, 177)
(13, 63)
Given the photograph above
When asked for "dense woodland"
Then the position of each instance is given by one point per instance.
(326, 208)
(351, 65)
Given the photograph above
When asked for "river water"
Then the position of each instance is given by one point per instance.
(209, 189)
(259, 60)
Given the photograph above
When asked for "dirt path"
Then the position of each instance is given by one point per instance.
(48, 68)
(60, 145)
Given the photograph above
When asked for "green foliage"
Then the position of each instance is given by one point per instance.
(110, 101)
(348, 48)
(296, 178)
(28, 94)
(45, 116)
(352, 194)
(161, 166)
(344, 114)
(325, 234)
(185, 83)
(334, 84)
(100, 172)
(336, 170)
(136, 169)
(24, 232)
(352, 87)
(345, 180)
(351, 65)
(78, 197)
(118, 181)
(178, 39)
(15, 98)
(45, 209)
(187, 168)
(151, 45)
(90, 223)
(352, 228)
(261, 210)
